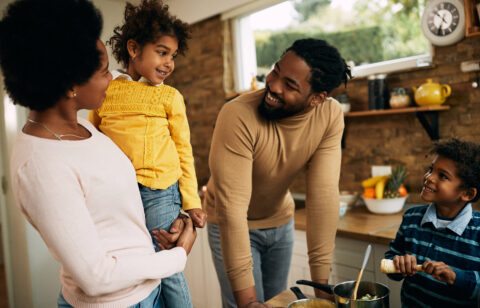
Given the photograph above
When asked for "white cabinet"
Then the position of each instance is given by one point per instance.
(200, 274)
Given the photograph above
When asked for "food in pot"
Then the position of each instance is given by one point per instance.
(368, 297)
(312, 303)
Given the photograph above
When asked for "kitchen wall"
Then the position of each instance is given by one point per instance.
(374, 140)
(385, 140)
(199, 77)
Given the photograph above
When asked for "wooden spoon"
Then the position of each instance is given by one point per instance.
(365, 259)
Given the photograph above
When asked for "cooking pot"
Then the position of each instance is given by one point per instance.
(304, 302)
(431, 93)
(343, 293)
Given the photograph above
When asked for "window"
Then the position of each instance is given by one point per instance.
(374, 36)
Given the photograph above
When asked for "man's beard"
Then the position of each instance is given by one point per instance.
(276, 113)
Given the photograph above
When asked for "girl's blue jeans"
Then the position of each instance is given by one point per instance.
(162, 207)
(152, 301)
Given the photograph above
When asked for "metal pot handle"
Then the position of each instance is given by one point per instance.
(324, 287)
(298, 292)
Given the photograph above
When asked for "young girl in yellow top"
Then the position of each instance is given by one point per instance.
(147, 120)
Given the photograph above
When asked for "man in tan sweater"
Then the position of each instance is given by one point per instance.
(261, 141)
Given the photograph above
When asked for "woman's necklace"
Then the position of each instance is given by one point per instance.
(58, 136)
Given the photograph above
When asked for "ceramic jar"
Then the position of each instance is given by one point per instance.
(399, 98)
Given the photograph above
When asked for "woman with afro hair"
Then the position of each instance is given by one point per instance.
(72, 183)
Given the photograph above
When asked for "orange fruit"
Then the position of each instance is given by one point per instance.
(402, 190)
(369, 192)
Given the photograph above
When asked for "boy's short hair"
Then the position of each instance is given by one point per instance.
(145, 24)
(46, 48)
(466, 156)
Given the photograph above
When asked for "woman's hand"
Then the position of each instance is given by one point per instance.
(187, 238)
(168, 240)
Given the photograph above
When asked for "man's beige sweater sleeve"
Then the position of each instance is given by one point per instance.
(322, 200)
(231, 168)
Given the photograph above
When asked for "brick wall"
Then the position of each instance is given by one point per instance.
(393, 139)
(374, 140)
(199, 77)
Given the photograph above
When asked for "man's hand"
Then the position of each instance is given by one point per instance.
(323, 294)
(168, 240)
(198, 216)
(439, 271)
(406, 264)
(257, 305)
(247, 298)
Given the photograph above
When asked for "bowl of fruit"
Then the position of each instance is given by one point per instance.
(385, 194)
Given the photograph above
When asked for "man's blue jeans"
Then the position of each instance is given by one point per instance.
(271, 253)
(152, 301)
(162, 207)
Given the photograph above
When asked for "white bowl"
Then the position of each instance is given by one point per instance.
(385, 206)
(343, 208)
(348, 197)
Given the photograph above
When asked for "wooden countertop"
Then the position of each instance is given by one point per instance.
(282, 299)
(358, 223)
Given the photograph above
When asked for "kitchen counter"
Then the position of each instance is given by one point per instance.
(282, 299)
(360, 224)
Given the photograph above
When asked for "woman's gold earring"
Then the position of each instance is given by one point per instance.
(74, 94)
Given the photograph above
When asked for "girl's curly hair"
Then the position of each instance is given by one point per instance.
(466, 156)
(146, 23)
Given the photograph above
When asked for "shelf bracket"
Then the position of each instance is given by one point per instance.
(430, 125)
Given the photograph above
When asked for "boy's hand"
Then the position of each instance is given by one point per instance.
(198, 216)
(439, 271)
(406, 264)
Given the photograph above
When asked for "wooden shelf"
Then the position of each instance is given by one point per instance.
(472, 25)
(427, 115)
(396, 111)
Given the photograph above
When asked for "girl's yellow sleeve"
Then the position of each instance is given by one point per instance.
(180, 132)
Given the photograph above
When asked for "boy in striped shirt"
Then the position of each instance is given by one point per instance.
(444, 236)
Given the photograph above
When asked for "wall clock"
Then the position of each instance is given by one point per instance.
(443, 21)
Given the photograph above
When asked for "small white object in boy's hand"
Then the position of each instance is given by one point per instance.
(387, 267)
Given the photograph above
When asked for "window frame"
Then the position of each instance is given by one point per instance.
(242, 65)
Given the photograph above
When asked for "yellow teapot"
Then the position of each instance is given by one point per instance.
(431, 93)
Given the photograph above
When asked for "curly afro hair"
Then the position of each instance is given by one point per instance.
(146, 23)
(46, 48)
(327, 66)
(466, 156)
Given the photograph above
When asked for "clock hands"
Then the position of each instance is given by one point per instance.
(441, 17)
(440, 29)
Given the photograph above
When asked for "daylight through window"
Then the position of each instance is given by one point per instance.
(372, 35)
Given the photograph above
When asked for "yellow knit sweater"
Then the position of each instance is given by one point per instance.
(150, 125)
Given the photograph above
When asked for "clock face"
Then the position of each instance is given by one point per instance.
(443, 19)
